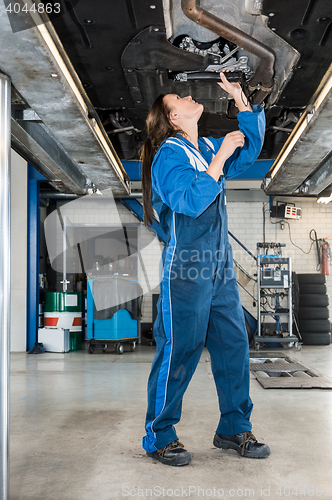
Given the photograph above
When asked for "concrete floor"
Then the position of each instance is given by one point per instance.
(77, 422)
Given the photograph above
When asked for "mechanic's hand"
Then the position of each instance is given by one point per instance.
(231, 141)
(230, 87)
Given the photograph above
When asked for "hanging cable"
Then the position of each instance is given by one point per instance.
(316, 240)
(313, 240)
(246, 97)
(242, 85)
(297, 246)
(264, 222)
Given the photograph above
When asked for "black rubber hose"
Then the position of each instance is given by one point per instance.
(315, 239)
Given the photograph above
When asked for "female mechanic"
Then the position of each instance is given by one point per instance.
(183, 180)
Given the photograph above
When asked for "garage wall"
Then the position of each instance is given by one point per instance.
(246, 223)
(151, 257)
(18, 215)
(151, 248)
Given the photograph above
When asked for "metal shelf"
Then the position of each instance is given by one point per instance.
(274, 338)
(273, 260)
(274, 313)
(274, 287)
(279, 270)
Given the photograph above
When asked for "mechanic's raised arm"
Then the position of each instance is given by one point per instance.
(235, 90)
(230, 144)
(238, 150)
(252, 125)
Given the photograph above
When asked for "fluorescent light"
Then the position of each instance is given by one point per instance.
(40, 25)
(105, 146)
(326, 87)
(302, 124)
(323, 89)
(325, 199)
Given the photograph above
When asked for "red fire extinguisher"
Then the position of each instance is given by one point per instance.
(326, 255)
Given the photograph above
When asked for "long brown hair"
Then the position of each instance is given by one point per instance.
(159, 128)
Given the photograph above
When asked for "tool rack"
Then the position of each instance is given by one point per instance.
(274, 288)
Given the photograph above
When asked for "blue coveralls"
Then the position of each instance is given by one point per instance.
(199, 300)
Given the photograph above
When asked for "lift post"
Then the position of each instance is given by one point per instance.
(5, 112)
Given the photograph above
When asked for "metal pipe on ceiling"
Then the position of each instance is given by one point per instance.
(4, 282)
(54, 195)
(262, 81)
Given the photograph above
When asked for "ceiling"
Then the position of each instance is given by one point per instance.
(124, 53)
(106, 40)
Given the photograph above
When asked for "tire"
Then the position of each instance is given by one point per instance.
(311, 300)
(314, 289)
(315, 325)
(295, 293)
(91, 348)
(313, 313)
(311, 279)
(250, 334)
(316, 338)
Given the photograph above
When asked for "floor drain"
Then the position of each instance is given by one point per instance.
(282, 372)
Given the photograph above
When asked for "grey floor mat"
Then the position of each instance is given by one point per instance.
(277, 371)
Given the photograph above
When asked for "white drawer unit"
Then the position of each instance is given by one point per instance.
(54, 339)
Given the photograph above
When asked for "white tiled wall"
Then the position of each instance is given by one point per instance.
(88, 212)
(152, 256)
(246, 223)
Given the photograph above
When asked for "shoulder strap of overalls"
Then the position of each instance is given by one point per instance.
(210, 145)
(196, 159)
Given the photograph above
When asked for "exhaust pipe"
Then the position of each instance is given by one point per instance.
(261, 83)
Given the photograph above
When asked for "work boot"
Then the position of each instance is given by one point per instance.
(173, 454)
(245, 444)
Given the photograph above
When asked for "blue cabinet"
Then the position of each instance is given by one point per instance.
(118, 327)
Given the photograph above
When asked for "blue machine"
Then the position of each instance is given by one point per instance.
(118, 329)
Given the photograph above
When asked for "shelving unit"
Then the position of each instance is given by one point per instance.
(274, 288)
